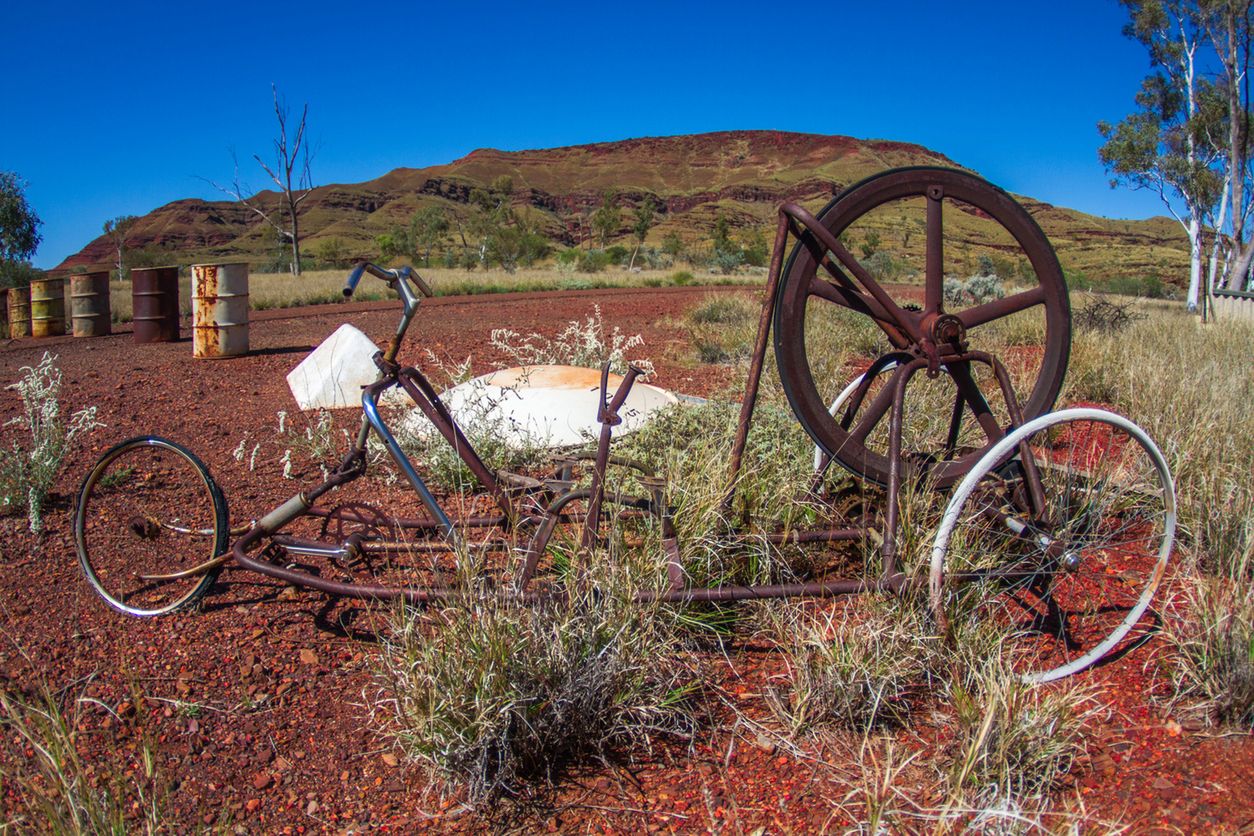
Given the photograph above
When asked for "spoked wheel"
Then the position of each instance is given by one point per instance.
(913, 228)
(149, 510)
(1062, 574)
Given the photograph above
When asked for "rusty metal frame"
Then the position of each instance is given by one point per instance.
(545, 506)
(927, 341)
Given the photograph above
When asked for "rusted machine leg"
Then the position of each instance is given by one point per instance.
(891, 513)
(609, 418)
(755, 364)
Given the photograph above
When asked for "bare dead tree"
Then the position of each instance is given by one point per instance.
(290, 171)
(118, 231)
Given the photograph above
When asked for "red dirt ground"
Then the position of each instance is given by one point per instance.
(284, 741)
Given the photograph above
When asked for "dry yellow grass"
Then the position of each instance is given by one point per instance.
(282, 290)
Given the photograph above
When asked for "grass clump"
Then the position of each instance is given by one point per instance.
(687, 445)
(856, 668)
(1015, 741)
(28, 471)
(1190, 388)
(1214, 644)
(722, 329)
(52, 787)
(497, 697)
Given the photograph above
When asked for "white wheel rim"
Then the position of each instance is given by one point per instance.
(993, 458)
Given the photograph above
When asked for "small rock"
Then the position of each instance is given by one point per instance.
(311, 808)
(308, 657)
(390, 759)
(765, 744)
(252, 805)
(1161, 783)
(1174, 728)
(288, 593)
(262, 780)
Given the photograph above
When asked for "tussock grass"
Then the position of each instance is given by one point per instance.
(687, 444)
(1015, 742)
(498, 698)
(52, 787)
(1190, 387)
(1213, 637)
(722, 328)
(857, 668)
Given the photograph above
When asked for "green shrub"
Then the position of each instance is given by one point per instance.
(681, 278)
(592, 261)
(726, 261)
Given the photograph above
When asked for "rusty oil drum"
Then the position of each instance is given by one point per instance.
(219, 310)
(155, 304)
(19, 311)
(47, 307)
(90, 315)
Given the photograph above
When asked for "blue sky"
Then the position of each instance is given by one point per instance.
(118, 108)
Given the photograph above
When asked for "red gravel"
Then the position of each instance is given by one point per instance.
(283, 738)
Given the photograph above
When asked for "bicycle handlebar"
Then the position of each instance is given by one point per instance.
(389, 276)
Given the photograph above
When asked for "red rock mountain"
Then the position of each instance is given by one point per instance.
(740, 175)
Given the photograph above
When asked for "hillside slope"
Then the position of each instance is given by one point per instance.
(740, 175)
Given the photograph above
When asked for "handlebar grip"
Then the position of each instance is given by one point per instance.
(353, 278)
(423, 287)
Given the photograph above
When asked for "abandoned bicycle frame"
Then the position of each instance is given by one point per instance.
(1046, 548)
(794, 221)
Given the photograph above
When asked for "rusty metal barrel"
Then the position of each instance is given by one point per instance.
(89, 304)
(155, 304)
(19, 311)
(47, 307)
(219, 310)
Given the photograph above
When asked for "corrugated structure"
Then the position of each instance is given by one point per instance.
(1235, 305)
(90, 312)
(219, 310)
(19, 311)
(47, 307)
(155, 304)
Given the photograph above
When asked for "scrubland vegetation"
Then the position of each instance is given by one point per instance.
(499, 700)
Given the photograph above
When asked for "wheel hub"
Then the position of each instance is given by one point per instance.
(948, 328)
